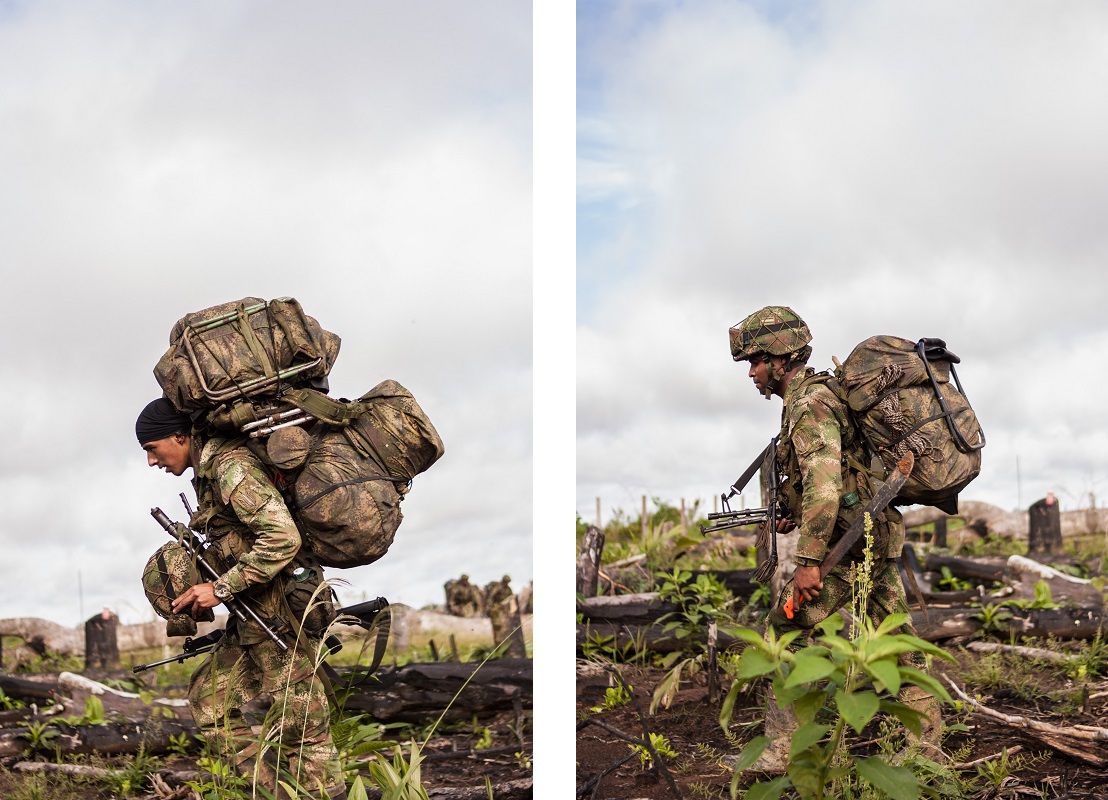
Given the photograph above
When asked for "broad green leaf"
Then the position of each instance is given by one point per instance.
(892, 622)
(357, 790)
(925, 681)
(753, 663)
(749, 636)
(887, 672)
(926, 647)
(808, 667)
(807, 705)
(750, 753)
(671, 658)
(887, 646)
(806, 736)
(788, 638)
(896, 782)
(838, 644)
(770, 790)
(909, 717)
(786, 696)
(857, 708)
(833, 624)
(727, 710)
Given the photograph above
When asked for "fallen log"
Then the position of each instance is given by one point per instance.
(1036, 653)
(980, 569)
(28, 689)
(113, 738)
(1076, 741)
(418, 692)
(932, 624)
(639, 608)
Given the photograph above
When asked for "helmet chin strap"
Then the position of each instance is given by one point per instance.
(776, 376)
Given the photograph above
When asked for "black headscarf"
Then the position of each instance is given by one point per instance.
(160, 419)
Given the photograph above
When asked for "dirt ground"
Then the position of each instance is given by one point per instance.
(692, 729)
(460, 755)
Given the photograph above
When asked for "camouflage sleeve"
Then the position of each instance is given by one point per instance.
(818, 443)
(245, 487)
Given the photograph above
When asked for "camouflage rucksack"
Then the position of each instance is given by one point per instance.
(902, 398)
(247, 349)
(354, 467)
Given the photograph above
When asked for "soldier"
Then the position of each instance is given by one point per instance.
(825, 484)
(257, 546)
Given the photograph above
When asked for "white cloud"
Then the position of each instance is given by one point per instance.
(927, 170)
(372, 161)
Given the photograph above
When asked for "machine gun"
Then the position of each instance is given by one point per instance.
(766, 517)
(196, 547)
(365, 614)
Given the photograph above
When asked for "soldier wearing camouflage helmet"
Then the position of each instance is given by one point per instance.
(257, 547)
(825, 483)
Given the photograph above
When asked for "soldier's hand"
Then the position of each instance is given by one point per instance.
(196, 598)
(807, 584)
(784, 525)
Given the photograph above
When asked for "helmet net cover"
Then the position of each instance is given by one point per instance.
(168, 573)
(776, 330)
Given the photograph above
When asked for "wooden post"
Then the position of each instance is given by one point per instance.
(454, 648)
(938, 538)
(713, 666)
(101, 643)
(599, 521)
(588, 564)
(434, 650)
(642, 518)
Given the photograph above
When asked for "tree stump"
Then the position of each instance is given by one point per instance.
(101, 644)
(1045, 531)
(588, 565)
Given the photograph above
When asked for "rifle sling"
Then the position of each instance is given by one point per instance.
(755, 465)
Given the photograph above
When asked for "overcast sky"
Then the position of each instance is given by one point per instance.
(372, 160)
(915, 169)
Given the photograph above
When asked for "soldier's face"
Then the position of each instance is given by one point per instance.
(759, 373)
(171, 453)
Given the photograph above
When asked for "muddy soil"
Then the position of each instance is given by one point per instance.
(700, 768)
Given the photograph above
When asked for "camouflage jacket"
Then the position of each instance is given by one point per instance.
(250, 530)
(824, 479)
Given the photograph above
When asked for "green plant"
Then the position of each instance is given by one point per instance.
(38, 735)
(399, 777)
(661, 746)
(523, 759)
(484, 738)
(180, 744)
(9, 703)
(614, 697)
(835, 683)
(991, 615)
(952, 583)
(134, 775)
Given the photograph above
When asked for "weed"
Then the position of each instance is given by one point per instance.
(484, 739)
(9, 703)
(134, 775)
(661, 746)
(614, 697)
(990, 616)
(180, 744)
(523, 759)
(38, 735)
(951, 583)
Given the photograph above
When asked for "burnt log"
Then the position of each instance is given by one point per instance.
(27, 689)
(979, 569)
(418, 692)
(634, 609)
(114, 738)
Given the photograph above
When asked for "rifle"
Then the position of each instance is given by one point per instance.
(767, 517)
(196, 547)
(364, 612)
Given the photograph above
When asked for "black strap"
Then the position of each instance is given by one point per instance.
(755, 465)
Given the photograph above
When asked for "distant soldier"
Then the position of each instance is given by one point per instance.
(825, 485)
(1045, 526)
(503, 611)
(463, 599)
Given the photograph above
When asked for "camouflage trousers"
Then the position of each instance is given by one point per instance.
(295, 734)
(886, 597)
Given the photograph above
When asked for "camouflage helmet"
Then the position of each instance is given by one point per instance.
(169, 572)
(777, 330)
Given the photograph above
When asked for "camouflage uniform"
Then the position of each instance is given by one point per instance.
(825, 484)
(257, 544)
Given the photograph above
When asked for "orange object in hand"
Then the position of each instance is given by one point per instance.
(791, 607)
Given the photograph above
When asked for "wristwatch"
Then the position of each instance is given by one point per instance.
(222, 591)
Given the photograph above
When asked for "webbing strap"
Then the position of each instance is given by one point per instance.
(243, 324)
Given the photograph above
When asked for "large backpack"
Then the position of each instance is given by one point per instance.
(243, 350)
(245, 370)
(354, 467)
(902, 398)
